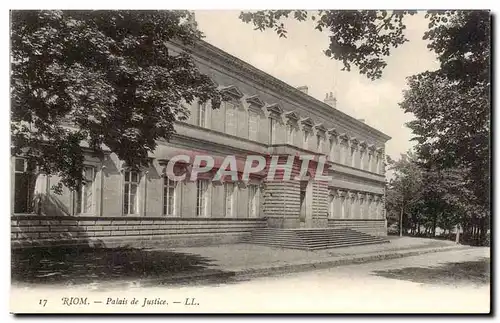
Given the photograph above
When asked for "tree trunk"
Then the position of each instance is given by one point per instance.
(434, 224)
(482, 236)
(457, 235)
(401, 223)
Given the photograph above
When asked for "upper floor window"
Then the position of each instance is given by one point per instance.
(319, 143)
(333, 146)
(272, 131)
(130, 192)
(231, 120)
(253, 125)
(202, 115)
(305, 143)
(290, 134)
(85, 195)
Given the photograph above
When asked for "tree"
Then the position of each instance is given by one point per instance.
(364, 37)
(361, 38)
(94, 79)
(452, 105)
(404, 189)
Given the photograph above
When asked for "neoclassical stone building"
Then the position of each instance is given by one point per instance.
(264, 116)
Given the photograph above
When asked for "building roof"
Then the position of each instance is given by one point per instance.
(207, 51)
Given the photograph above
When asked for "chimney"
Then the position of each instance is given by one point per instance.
(330, 100)
(303, 88)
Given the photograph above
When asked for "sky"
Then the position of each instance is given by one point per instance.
(299, 60)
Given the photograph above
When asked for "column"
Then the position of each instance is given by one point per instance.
(361, 211)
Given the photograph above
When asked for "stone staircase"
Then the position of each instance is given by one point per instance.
(312, 239)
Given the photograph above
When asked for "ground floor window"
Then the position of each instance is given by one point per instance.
(201, 198)
(169, 196)
(85, 195)
(229, 199)
(343, 208)
(130, 192)
(331, 206)
(23, 186)
(252, 201)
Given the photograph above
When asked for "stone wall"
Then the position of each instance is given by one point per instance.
(375, 227)
(36, 230)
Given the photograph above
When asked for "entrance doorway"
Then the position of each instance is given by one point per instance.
(305, 204)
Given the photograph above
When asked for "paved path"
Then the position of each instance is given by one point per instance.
(230, 257)
(450, 282)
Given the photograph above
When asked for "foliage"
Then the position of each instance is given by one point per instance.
(451, 105)
(109, 75)
(429, 196)
(405, 188)
(360, 38)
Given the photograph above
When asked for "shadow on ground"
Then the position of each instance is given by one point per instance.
(453, 273)
(84, 265)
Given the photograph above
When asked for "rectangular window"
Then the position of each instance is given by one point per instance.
(272, 131)
(352, 157)
(169, 192)
(230, 119)
(253, 125)
(306, 140)
(201, 197)
(290, 134)
(332, 150)
(229, 194)
(23, 186)
(319, 143)
(130, 192)
(331, 206)
(202, 115)
(85, 195)
(252, 201)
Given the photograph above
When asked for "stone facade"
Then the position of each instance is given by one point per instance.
(264, 117)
